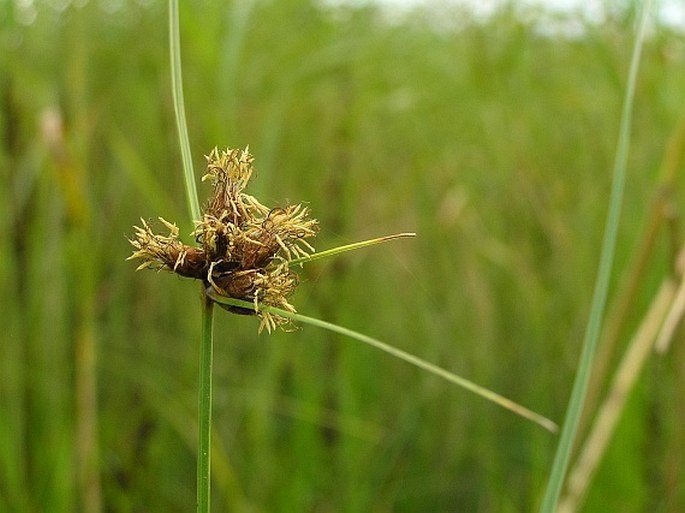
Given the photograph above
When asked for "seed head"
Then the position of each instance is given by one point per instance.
(243, 247)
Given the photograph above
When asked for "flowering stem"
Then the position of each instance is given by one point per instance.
(206, 343)
(205, 409)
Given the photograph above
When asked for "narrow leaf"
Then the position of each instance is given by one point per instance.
(402, 355)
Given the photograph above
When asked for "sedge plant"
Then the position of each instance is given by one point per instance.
(245, 256)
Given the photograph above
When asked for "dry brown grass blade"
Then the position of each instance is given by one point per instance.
(675, 314)
(610, 411)
(662, 216)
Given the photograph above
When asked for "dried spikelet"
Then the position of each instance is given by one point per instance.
(166, 252)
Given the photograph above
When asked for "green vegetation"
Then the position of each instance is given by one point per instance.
(490, 140)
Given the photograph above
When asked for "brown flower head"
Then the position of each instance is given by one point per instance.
(244, 247)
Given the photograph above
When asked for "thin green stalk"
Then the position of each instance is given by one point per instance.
(398, 353)
(575, 407)
(206, 343)
(204, 459)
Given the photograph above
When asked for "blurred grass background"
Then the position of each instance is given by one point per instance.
(490, 138)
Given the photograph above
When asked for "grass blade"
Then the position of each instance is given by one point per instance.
(575, 407)
(349, 247)
(402, 355)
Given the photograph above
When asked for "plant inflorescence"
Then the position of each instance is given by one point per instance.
(244, 249)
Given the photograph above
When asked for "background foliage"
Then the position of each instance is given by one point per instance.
(490, 138)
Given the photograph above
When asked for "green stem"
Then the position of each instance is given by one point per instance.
(206, 344)
(575, 407)
(205, 409)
